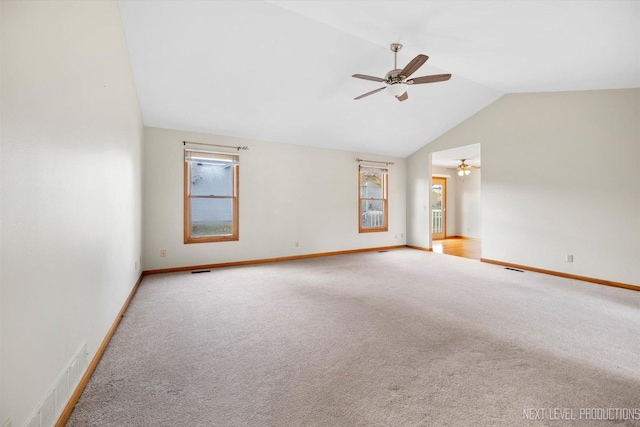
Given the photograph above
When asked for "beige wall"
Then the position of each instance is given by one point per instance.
(71, 190)
(559, 176)
(288, 193)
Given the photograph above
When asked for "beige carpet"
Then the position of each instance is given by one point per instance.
(398, 338)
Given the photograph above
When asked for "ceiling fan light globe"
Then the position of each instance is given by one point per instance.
(467, 172)
(397, 89)
(461, 172)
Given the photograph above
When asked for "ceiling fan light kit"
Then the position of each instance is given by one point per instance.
(397, 89)
(396, 79)
(464, 169)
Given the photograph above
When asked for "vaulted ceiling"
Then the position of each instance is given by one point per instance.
(281, 70)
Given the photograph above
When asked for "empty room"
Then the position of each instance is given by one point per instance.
(305, 213)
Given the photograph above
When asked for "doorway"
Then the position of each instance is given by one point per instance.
(455, 221)
(438, 208)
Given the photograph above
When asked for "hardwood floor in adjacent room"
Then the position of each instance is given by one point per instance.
(458, 246)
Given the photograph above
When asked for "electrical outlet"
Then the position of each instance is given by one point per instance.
(402, 235)
(569, 258)
(297, 244)
(163, 253)
(136, 265)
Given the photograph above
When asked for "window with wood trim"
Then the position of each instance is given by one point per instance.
(373, 198)
(210, 196)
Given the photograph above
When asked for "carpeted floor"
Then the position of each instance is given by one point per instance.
(398, 338)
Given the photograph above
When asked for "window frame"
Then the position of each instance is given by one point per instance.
(235, 196)
(385, 200)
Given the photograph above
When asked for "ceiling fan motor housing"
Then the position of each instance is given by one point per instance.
(393, 76)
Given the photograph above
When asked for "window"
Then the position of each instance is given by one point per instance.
(373, 198)
(210, 196)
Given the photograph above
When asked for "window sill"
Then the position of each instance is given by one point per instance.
(210, 239)
(374, 230)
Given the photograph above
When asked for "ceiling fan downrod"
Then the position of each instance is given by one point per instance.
(395, 48)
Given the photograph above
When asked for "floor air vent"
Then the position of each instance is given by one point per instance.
(514, 269)
(383, 251)
(201, 271)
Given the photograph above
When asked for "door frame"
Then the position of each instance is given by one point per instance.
(443, 235)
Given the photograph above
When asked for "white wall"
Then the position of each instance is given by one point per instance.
(2, 417)
(288, 193)
(559, 175)
(418, 203)
(71, 189)
(468, 200)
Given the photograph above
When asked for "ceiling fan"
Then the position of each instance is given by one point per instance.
(465, 169)
(396, 79)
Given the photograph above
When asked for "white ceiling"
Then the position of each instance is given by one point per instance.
(281, 70)
(452, 157)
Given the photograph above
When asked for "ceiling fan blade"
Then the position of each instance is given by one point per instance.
(429, 79)
(370, 93)
(365, 77)
(403, 97)
(413, 66)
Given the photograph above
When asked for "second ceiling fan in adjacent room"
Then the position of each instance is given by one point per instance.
(465, 169)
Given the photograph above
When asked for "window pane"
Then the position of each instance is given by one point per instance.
(371, 185)
(436, 207)
(196, 156)
(211, 217)
(436, 196)
(372, 213)
(211, 179)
